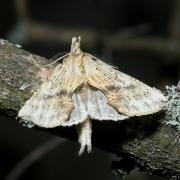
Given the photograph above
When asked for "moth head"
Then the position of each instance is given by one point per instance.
(75, 45)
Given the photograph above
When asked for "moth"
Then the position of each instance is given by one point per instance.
(83, 88)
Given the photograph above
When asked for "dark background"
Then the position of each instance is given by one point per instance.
(46, 28)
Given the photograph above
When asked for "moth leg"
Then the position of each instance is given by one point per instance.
(84, 135)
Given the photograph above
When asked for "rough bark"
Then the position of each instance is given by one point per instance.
(149, 144)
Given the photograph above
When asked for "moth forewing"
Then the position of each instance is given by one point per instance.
(52, 104)
(126, 94)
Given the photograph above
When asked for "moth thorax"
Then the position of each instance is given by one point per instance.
(75, 46)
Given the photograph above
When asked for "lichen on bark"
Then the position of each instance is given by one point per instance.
(172, 108)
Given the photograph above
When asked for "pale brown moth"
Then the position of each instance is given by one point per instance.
(82, 89)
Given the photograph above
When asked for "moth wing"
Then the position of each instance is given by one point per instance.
(79, 112)
(93, 103)
(99, 109)
(46, 111)
(51, 105)
(126, 94)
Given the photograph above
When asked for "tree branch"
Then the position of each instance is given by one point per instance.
(151, 145)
